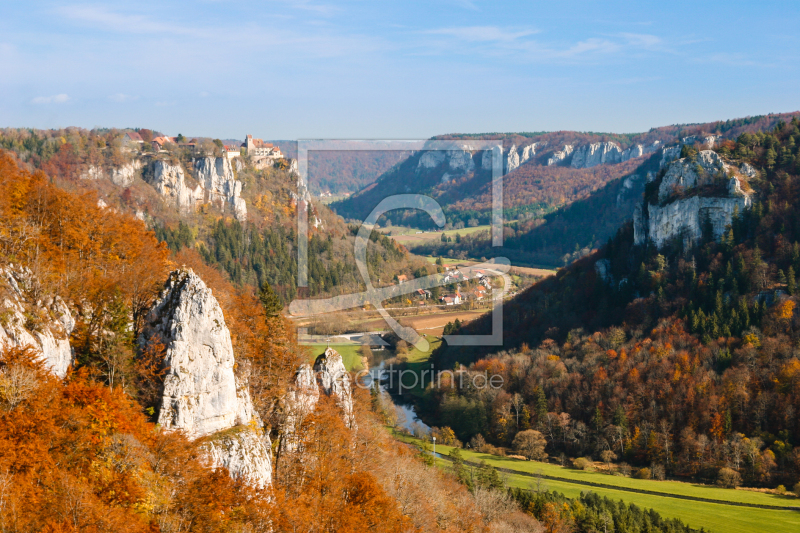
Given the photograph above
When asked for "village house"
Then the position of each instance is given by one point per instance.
(233, 150)
(159, 142)
(452, 299)
(423, 294)
(402, 278)
(257, 148)
(132, 139)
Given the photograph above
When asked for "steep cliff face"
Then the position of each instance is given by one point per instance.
(560, 155)
(514, 157)
(202, 395)
(677, 216)
(591, 155)
(43, 324)
(458, 160)
(122, 176)
(297, 404)
(334, 379)
(170, 182)
(329, 376)
(685, 173)
(244, 451)
(671, 153)
(215, 175)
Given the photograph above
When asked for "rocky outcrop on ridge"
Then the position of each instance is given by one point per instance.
(675, 215)
(123, 176)
(201, 394)
(170, 182)
(298, 403)
(671, 153)
(560, 155)
(514, 157)
(43, 324)
(459, 159)
(221, 187)
(334, 379)
(328, 376)
(215, 184)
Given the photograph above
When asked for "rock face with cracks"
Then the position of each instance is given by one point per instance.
(682, 213)
(43, 324)
(202, 396)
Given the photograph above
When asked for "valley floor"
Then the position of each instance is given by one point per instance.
(671, 499)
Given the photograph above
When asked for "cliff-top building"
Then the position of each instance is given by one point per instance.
(258, 148)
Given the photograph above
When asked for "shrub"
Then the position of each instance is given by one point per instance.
(477, 443)
(531, 444)
(780, 489)
(729, 478)
(797, 489)
(643, 473)
(582, 463)
(624, 469)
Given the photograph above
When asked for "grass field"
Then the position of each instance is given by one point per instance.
(404, 234)
(351, 354)
(697, 514)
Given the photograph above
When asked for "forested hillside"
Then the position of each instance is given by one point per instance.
(682, 359)
(262, 249)
(83, 453)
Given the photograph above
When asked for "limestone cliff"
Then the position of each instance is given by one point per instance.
(215, 184)
(171, 183)
(671, 153)
(201, 394)
(221, 187)
(334, 379)
(298, 403)
(591, 155)
(514, 157)
(683, 206)
(43, 323)
(329, 376)
(123, 176)
(459, 159)
(560, 155)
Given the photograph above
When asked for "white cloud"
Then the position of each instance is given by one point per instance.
(642, 39)
(120, 97)
(483, 33)
(55, 99)
(101, 18)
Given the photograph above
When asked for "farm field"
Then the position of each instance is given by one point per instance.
(715, 517)
(410, 235)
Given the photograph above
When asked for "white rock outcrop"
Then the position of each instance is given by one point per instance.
(458, 160)
(638, 150)
(170, 182)
(244, 452)
(671, 153)
(514, 157)
(221, 187)
(298, 403)
(748, 170)
(201, 394)
(560, 155)
(123, 176)
(334, 379)
(685, 173)
(591, 155)
(43, 325)
(684, 218)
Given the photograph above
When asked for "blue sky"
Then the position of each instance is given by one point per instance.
(384, 69)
